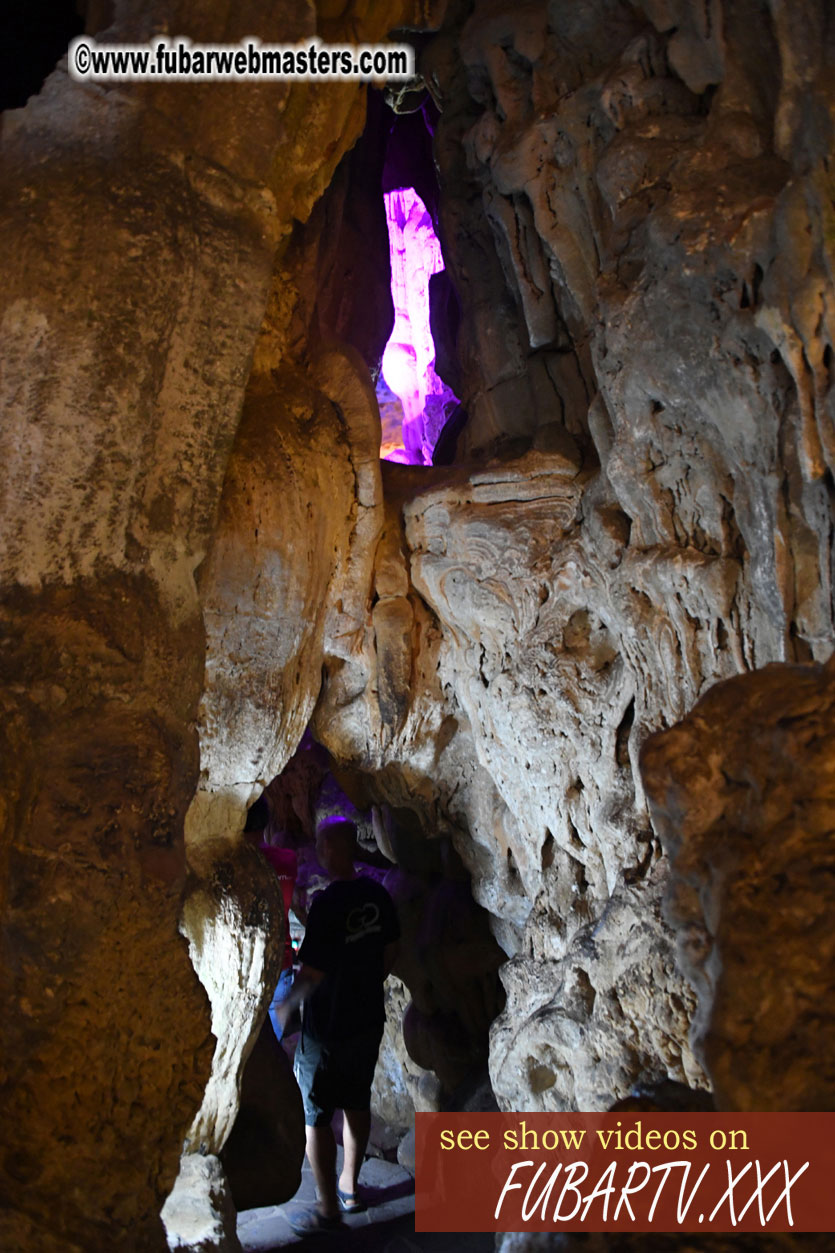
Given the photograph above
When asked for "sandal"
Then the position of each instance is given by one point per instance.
(349, 1202)
(309, 1222)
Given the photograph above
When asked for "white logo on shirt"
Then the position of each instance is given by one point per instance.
(362, 921)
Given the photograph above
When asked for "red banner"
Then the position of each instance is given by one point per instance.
(625, 1172)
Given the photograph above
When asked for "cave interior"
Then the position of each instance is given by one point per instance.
(455, 455)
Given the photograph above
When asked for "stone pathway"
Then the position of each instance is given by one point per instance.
(387, 1226)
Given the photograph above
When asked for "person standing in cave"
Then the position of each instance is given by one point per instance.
(349, 947)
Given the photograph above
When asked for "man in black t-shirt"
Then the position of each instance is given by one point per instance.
(348, 949)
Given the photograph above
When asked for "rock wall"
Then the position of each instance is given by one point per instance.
(144, 227)
(741, 793)
(636, 212)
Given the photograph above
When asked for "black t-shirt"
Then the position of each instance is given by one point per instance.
(348, 927)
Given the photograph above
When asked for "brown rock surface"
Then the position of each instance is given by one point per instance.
(742, 795)
(140, 226)
(104, 1024)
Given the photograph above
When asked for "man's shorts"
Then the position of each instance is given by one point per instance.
(336, 1075)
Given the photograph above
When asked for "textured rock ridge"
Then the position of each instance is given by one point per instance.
(534, 656)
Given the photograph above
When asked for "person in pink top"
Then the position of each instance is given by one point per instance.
(286, 865)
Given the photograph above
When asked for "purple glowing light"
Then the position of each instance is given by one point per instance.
(411, 427)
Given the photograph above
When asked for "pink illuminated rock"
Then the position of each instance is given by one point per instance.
(408, 364)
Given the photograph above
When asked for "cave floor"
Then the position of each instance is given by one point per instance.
(387, 1226)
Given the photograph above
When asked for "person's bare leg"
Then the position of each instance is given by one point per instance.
(355, 1130)
(321, 1153)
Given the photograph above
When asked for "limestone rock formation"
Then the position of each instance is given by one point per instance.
(141, 227)
(500, 556)
(741, 793)
(636, 215)
(280, 542)
(397, 1092)
(234, 925)
(199, 1213)
(636, 208)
